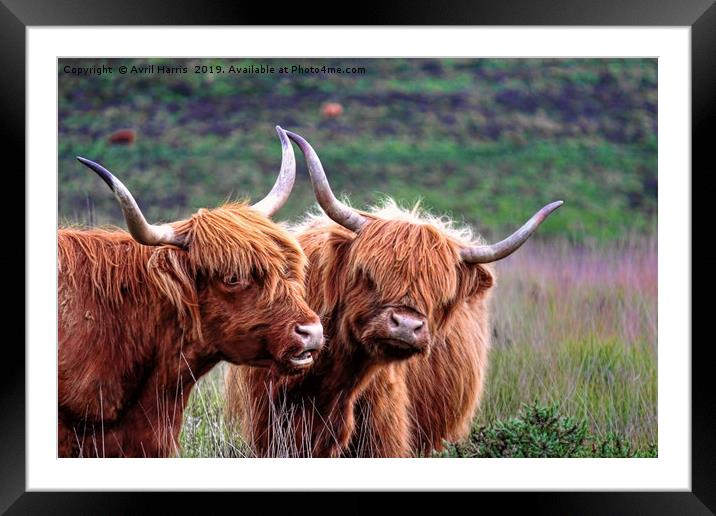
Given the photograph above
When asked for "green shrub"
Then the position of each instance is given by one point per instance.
(614, 445)
(540, 431)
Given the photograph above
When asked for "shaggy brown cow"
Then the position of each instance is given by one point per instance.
(143, 316)
(388, 285)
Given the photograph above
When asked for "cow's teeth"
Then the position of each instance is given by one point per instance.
(304, 358)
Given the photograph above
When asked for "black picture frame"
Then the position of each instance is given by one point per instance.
(17, 15)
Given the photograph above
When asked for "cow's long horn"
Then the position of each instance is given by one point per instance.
(494, 252)
(284, 183)
(138, 227)
(335, 209)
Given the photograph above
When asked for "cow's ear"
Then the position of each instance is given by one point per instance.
(485, 276)
(476, 279)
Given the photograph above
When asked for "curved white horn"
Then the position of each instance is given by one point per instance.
(335, 209)
(139, 228)
(284, 183)
(504, 248)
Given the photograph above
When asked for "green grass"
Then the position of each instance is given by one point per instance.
(610, 385)
(204, 432)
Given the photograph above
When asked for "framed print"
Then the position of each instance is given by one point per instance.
(192, 346)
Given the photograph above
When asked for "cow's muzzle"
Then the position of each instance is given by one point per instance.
(311, 338)
(402, 333)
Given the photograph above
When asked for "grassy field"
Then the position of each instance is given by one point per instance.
(578, 329)
(487, 141)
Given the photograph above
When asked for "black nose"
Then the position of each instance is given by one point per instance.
(311, 335)
(405, 327)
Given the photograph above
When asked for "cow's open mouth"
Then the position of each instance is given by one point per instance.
(303, 359)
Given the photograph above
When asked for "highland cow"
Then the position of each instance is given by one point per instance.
(142, 315)
(403, 300)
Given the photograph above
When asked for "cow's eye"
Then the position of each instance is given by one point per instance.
(232, 280)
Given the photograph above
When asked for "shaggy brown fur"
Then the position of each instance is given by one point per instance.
(138, 325)
(363, 397)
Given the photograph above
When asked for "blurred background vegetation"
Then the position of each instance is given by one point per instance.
(573, 364)
(488, 141)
